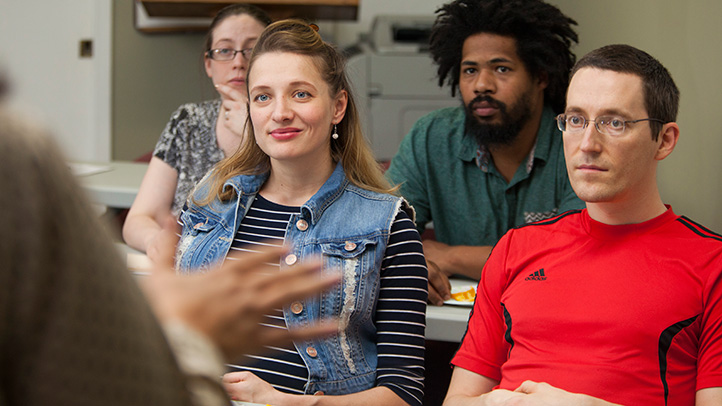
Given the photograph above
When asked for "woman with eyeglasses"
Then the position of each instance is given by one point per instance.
(198, 135)
(304, 177)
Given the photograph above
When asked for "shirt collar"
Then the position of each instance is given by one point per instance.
(483, 158)
(540, 150)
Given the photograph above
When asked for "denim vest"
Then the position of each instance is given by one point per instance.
(349, 227)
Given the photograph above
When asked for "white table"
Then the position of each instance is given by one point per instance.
(446, 323)
(113, 184)
(136, 262)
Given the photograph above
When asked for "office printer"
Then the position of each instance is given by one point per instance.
(394, 80)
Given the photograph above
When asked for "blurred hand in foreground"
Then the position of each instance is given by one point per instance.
(228, 302)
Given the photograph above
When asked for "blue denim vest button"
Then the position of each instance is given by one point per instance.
(302, 225)
(290, 259)
(318, 393)
(296, 307)
(311, 352)
(350, 246)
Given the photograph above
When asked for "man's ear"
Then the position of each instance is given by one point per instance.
(543, 80)
(668, 140)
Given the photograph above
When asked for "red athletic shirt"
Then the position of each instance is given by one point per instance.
(630, 313)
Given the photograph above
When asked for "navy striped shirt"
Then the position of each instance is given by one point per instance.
(400, 312)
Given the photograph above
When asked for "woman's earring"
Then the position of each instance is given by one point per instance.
(335, 132)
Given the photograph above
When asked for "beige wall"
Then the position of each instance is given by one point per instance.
(153, 74)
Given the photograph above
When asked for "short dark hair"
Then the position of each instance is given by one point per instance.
(234, 10)
(543, 39)
(661, 96)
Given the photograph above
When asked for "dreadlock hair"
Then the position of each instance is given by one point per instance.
(543, 39)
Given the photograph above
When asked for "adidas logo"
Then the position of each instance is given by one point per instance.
(536, 276)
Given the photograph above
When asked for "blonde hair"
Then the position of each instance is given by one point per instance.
(351, 148)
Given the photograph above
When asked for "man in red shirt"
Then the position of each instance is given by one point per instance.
(618, 303)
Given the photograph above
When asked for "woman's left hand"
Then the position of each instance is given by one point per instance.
(247, 387)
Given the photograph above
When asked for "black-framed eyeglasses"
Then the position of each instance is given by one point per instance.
(609, 125)
(227, 54)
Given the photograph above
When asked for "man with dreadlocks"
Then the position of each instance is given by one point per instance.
(495, 162)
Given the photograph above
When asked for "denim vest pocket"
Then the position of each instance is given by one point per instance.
(196, 245)
(348, 248)
(197, 222)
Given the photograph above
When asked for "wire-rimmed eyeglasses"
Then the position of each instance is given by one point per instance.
(227, 54)
(609, 125)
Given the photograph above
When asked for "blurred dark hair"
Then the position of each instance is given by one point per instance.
(661, 95)
(234, 10)
(543, 39)
(58, 260)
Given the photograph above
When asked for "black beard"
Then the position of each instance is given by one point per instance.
(504, 133)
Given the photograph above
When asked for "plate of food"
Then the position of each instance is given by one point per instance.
(462, 295)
